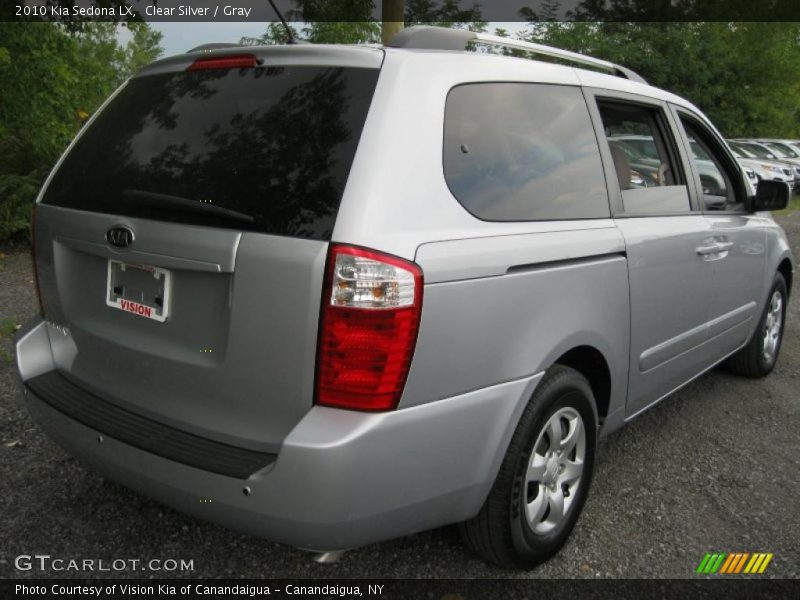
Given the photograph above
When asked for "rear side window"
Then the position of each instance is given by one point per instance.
(644, 159)
(523, 152)
(263, 149)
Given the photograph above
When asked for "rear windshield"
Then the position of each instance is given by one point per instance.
(263, 149)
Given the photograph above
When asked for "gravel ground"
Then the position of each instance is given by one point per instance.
(714, 468)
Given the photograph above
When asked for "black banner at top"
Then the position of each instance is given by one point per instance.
(414, 11)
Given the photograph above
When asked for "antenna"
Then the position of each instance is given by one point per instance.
(289, 33)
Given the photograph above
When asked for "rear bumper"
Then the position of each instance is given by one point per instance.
(342, 479)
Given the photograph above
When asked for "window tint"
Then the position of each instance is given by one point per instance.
(698, 151)
(712, 179)
(714, 171)
(782, 149)
(644, 165)
(758, 151)
(523, 152)
(737, 152)
(743, 150)
(266, 149)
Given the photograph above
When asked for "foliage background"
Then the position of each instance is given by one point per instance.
(51, 77)
(744, 76)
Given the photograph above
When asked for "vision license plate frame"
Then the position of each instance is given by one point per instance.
(141, 290)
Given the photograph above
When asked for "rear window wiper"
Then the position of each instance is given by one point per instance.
(186, 204)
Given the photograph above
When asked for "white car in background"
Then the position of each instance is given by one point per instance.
(785, 152)
(765, 164)
(761, 168)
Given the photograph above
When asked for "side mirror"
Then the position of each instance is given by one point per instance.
(771, 195)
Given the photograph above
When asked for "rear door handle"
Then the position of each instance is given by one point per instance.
(707, 250)
(715, 248)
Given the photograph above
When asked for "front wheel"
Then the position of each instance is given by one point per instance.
(758, 357)
(544, 478)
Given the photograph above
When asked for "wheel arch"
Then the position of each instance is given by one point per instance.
(592, 364)
(785, 269)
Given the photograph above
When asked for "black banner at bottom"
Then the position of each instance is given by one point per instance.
(390, 589)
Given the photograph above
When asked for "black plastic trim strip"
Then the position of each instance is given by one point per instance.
(566, 262)
(143, 433)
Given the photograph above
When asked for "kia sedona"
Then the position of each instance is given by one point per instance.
(333, 295)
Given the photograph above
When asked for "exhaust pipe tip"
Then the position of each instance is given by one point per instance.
(328, 558)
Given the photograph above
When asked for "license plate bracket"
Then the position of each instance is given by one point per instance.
(141, 290)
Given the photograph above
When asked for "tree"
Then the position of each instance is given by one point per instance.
(331, 22)
(444, 13)
(143, 49)
(744, 76)
(392, 17)
(275, 34)
(53, 75)
(351, 22)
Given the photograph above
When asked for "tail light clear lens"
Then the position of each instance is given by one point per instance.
(371, 308)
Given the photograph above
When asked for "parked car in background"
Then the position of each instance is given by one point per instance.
(794, 144)
(782, 149)
(785, 153)
(760, 168)
(765, 163)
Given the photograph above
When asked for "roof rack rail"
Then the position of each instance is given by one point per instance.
(441, 38)
(212, 47)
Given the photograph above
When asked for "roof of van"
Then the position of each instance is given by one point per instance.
(507, 68)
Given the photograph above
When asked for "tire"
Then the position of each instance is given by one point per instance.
(511, 530)
(758, 357)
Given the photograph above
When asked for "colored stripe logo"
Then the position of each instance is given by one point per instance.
(734, 563)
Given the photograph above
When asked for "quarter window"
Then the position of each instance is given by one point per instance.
(715, 174)
(523, 152)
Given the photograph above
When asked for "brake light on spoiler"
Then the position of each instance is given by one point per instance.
(235, 61)
(371, 309)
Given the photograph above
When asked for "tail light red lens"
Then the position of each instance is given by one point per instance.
(371, 308)
(237, 61)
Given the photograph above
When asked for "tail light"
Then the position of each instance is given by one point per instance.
(371, 308)
(237, 61)
(33, 261)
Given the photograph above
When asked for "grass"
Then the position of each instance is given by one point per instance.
(794, 204)
(7, 328)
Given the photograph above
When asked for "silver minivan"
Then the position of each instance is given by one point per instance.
(331, 295)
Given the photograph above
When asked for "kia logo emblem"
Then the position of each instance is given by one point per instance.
(119, 237)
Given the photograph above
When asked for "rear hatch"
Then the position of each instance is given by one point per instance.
(181, 242)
